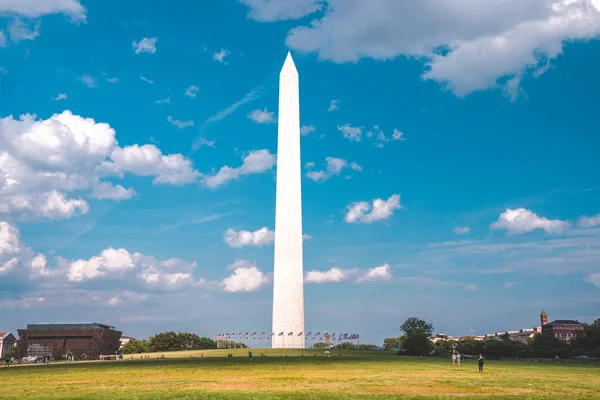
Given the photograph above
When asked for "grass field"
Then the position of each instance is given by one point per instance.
(354, 375)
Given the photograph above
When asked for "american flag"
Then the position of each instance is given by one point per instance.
(300, 334)
(290, 333)
(280, 334)
(272, 333)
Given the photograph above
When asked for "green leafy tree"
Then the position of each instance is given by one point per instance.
(415, 325)
(135, 346)
(416, 336)
(417, 344)
(442, 347)
(393, 343)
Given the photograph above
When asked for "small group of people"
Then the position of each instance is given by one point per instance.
(457, 356)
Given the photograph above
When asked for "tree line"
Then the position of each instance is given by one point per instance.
(169, 341)
(415, 340)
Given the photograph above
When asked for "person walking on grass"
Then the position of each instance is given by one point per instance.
(480, 362)
(453, 358)
(458, 358)
(250, 355)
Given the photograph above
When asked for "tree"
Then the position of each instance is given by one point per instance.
(135, 346)
(416, 336)
(393, 343)
(415, 325)
(442, 348)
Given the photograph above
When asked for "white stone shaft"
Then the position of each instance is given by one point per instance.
(288, 279)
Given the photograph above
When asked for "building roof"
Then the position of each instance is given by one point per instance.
(5, 335)
(565, 322)
(69, 325)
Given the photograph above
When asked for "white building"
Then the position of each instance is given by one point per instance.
(7, 342)
(124, 341)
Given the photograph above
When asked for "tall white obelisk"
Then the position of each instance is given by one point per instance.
(288, 280)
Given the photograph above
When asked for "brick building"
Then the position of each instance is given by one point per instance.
(562, 329)
(89, 338)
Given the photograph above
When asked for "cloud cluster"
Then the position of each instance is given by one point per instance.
(377, 274)
(35, 9)
(130, 274)
(380, 210)
(468, 45)
(246, 277)
(522, 220)
(256, 161)
(261, 237)
(192, 91)
(334, 167)
(43, 161)
(352, 133)
(262, 116)
(146, 45)
(461, 230)
(180, 124)
(307, 130)
(258, 238)
(220, 56)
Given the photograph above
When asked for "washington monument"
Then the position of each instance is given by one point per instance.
(288, 282)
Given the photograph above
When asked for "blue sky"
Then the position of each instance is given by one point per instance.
(450, 158)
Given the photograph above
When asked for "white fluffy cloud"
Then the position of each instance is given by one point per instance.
(588, 222)
(522, 220)
(192, 91)
(146, 45)
(61, 96)
(262, 116)
(594, 279)
(468, 45)
(19, 30)
(219, 56)
(334, 167)
(43, 161)
(334, 274)
(246, 277)
(461, 230)
(377, 274)
(380, 210)
(352, 133)
(334, 105)
(307, 130)
(255, 162)
(146, 270)
(34, 9)
(180, 124)
(148, 160)
(260, 237)
(269, 10)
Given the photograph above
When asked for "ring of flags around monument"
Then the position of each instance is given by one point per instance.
(263, 339)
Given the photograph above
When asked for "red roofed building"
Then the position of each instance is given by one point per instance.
(561, 329)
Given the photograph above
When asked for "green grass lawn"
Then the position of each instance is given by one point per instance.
(354, 375)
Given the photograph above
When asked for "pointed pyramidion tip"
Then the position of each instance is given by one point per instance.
(288, 65)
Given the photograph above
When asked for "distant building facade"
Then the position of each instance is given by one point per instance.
(561, 329)
(89, 338)
(123, 341)
(7, 342)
